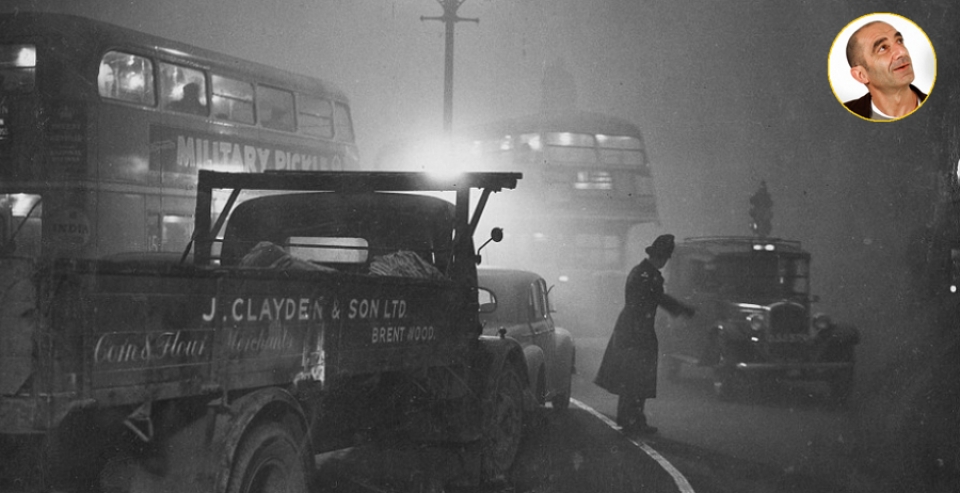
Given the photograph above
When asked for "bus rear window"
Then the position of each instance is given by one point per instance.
(316, 116)
(232, 99)
(127, 77)
(275, 108)
(18, 68)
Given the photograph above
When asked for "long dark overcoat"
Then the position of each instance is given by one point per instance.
(629, 363)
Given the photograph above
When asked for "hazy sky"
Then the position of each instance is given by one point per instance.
(726, 93)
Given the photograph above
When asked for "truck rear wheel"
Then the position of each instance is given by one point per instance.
(502, 424)
(268, 461)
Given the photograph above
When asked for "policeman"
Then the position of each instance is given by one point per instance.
(629, 366)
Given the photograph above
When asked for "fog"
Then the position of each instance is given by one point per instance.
(726, 93)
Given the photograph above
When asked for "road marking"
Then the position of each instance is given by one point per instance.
(682, 484)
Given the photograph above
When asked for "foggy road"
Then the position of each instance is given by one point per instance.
(789, 440)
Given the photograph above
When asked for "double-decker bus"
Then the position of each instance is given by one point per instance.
(585, 204)
(103, 130)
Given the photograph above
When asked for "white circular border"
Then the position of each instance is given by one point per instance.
(845, 88)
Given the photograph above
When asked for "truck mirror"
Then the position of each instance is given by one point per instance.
(496, 236)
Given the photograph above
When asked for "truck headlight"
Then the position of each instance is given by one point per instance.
(757, 321)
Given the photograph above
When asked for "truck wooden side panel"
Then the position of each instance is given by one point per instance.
(187, 330)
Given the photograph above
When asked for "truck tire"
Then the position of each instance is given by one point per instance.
(268, 461)
(502, 424)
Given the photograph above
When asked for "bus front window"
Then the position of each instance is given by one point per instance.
(20, 222)
(18, 68)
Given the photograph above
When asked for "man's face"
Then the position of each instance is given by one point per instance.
(658, 261)
(886, 62)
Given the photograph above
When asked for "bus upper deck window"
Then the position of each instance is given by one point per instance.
(18, 68)
(621, 150)
(570, 148)
(275, 108)
(232, 99)
(315, 116)
(126, 77)
(183, 89)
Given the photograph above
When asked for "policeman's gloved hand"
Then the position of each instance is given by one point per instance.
(689, 311)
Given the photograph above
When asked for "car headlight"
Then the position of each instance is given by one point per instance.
(757, 321)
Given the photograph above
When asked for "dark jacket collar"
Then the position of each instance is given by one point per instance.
(863, 106)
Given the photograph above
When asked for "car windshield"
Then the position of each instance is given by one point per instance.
(757, 274)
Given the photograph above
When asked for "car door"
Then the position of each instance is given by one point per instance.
(541, 325)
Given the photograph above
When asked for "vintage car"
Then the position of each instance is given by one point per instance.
(516, 304)
(753, 323)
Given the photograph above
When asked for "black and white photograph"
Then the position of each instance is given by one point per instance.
(479, 246)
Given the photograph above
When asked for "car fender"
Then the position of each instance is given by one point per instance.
(497, 352)
(845, 334)
(732, 331)
(566, 352)
(535, 360)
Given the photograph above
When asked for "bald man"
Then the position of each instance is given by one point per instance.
(879, 60)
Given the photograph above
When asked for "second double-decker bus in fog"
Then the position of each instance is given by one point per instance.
(103, 130)
(587, 196)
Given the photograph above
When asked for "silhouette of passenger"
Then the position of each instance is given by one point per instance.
(190, 101)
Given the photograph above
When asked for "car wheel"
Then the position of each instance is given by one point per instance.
(268, 461)
(502, 424)
(727, 382)
(724, 384)
(561, 401)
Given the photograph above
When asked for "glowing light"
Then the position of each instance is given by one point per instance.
(533, 141)
(27, 57)
(134, 82)
(21, 203)
(755, 339)
(758, 247)
(769, 247)
(953, 288)
(563, 279)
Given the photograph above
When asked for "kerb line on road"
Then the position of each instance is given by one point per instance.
(682, 484)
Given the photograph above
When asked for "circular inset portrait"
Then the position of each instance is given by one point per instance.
(882, 67)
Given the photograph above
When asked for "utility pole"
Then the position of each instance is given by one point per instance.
(449, 18)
